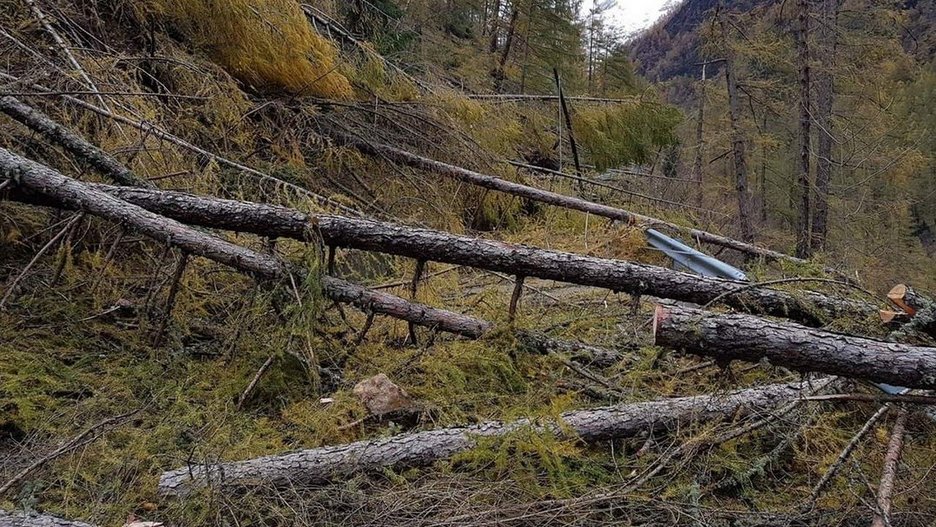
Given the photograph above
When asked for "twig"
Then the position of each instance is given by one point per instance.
(414, 286)
(44, 21)
(363, 333)
(166, 136)
(99, 93)
(843, 456)
(582, 180)
(12, 287)
(786, 281)
(107, 259)
(424, 277)
(253, 382)
(70, 445)
(170, 300)
(687, 448)
(515, 299)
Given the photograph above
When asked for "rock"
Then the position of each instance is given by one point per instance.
(380, 395)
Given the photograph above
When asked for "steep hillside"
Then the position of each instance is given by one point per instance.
(673, 45)
(357, 262)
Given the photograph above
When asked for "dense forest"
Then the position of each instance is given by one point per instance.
(467, 262)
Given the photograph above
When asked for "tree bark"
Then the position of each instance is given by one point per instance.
(494, 183)
(48, 187)
(499, 73)
(495, 26)
(75, 195)
(803, 246)
(321, 465)
(745, 205)
(825, 88)
(33, 519)
(744, 337)
(889, 474)
(700, 141)
(920, 310)
(70, 141)
(618, 275)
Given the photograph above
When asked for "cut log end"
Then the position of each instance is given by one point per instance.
(899, 296)
(889, 318)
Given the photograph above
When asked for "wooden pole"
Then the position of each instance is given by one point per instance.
(568, 122)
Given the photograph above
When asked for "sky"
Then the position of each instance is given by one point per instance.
(632, 15)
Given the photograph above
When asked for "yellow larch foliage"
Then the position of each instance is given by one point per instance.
(266, 44)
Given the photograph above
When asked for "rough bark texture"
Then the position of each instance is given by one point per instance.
(320, 465)
(825, 98)
(494, 183)
(32, 519)
(396, 307)
(78, 196)
(70, 141)
(748, 338)
(618, 275)
(803, 246)
(47, 187)
(745, 204)
(882, 517)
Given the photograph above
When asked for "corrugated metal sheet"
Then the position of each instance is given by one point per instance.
(693, 260)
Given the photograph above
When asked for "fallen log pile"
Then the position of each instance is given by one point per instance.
(425, 244)
(728, 337)
(167, 216)
(48, 187)
(321, 465)
(544, 196)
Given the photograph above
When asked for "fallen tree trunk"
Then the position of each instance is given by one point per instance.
(882, 516)
(75, 195)
(748, 338)
(321, 465)
(46, 186)
(70, 141)
(920, 310)
(33, 519)
(544, 196)
(617, 275)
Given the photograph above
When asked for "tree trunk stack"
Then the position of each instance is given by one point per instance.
(424, 244)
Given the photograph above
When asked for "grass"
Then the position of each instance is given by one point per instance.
(65, 365)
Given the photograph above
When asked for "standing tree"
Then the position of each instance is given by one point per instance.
(803, 246)
(825, 91)
(745, 203)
